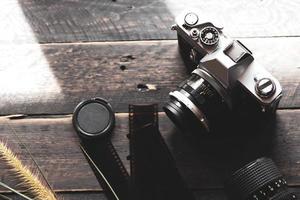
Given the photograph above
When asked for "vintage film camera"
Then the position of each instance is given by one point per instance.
(226, 78)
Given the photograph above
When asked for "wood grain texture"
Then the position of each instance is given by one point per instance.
(107, 20)
(40, 78)
(199, 195)
(204, 165)
(51, 79)
(69, 196)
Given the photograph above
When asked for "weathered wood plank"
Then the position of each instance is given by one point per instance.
(200, 195)
(54, 145)
(70, 196)
(52, 79)
(91, 20)
(82, 196)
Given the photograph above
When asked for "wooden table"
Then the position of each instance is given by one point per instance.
(53, 54)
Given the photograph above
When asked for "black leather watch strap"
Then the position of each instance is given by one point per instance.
(93, 121)
(108, 168)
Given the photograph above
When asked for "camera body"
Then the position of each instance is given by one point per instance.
(225, 75)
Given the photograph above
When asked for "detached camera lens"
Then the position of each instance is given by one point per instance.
(93, 118)
(197, 105)
(259, 180)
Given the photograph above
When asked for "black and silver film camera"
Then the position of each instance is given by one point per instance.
(226, 78)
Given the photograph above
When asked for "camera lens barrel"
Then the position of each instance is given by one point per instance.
(259, 180)
(196, 104)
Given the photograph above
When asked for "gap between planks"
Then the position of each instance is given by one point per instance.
(146, 41)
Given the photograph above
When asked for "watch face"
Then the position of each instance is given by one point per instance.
(93, 118)
(209, 36)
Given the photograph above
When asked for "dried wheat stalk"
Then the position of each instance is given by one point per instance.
(27, 178)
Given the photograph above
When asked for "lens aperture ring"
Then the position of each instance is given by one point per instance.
(277, 186)
(285, 195)
(206, 98)
(182, 97)
(200, 98)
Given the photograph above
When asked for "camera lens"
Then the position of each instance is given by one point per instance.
(198, 104)
(259, 180)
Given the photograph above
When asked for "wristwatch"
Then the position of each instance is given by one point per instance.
(94, 120)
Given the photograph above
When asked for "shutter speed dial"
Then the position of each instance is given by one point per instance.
(209, 36)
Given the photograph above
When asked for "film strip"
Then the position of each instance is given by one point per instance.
(154, 175)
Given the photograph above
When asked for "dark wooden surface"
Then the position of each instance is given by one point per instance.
(64, 74)
(53, 54)
(92, 20)
(54, 146)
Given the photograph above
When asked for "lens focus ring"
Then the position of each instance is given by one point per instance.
(259, 180)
